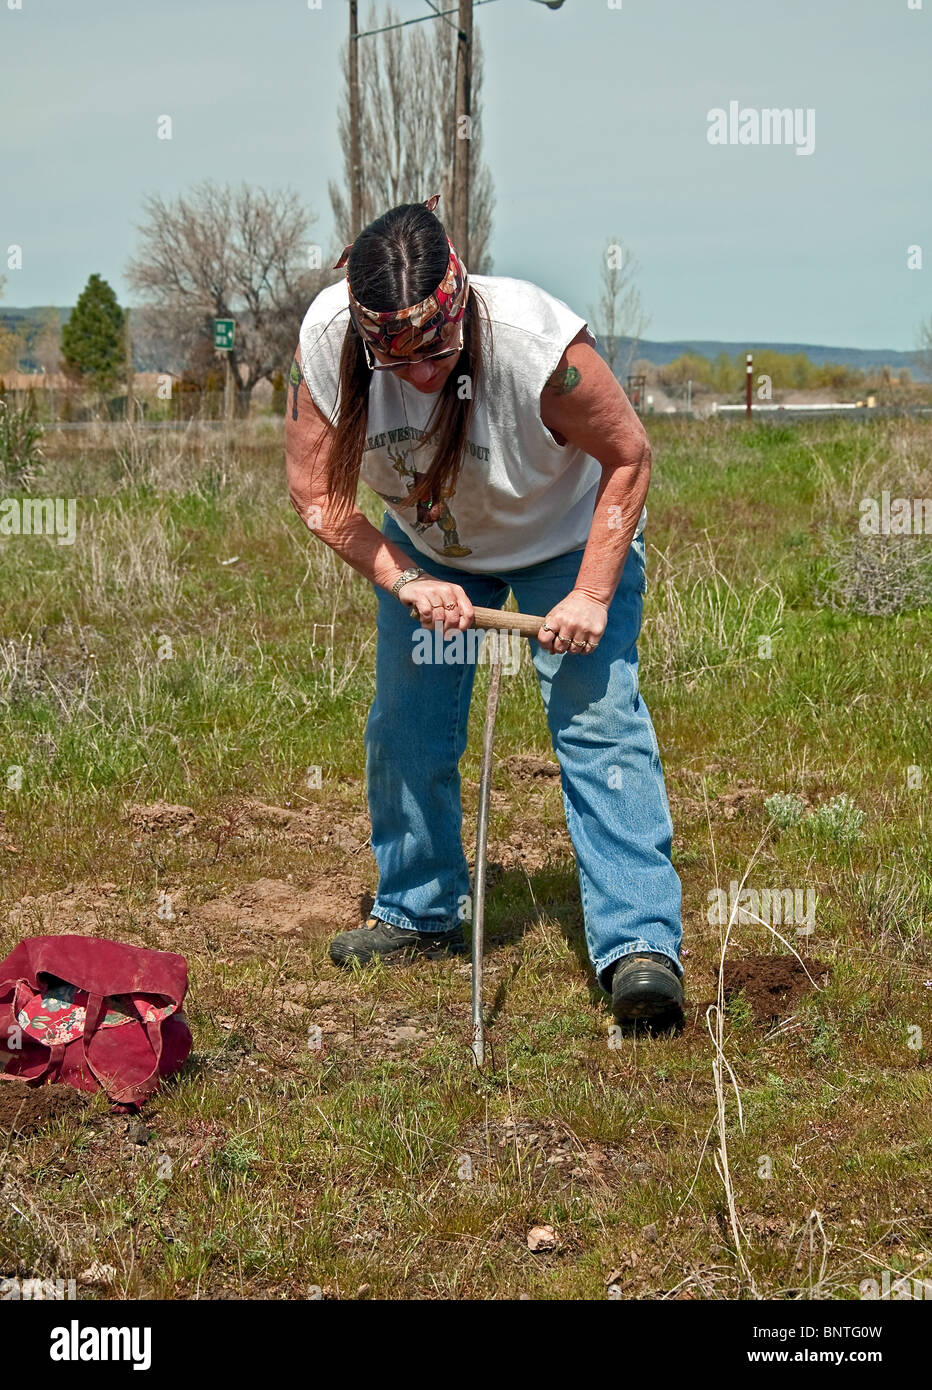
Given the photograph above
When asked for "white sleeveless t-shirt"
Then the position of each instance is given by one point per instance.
(520, 497)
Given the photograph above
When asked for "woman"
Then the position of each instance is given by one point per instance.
(509, 459)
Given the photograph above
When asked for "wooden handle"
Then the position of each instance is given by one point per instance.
(498, 620)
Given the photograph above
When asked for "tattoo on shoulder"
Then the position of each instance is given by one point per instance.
(294, 378)
(565, 380)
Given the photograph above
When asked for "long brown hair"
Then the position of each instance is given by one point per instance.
(398, 260)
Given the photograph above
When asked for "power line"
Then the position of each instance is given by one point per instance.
(437, 14)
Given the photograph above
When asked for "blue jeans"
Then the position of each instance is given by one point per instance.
(613, 790)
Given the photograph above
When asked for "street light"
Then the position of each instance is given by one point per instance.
(440, 14)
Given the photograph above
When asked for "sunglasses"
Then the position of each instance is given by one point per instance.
(400, 366)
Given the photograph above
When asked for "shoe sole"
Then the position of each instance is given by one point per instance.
(647, 999)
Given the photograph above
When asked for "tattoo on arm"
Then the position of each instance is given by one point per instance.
(294, 378)
(565, 380)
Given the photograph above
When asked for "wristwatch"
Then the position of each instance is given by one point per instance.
(405, 578)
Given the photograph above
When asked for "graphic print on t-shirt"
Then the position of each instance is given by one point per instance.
(429, 512)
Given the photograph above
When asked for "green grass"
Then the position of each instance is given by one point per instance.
(278, 1168)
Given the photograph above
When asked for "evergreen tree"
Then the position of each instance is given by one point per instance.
(92, 341)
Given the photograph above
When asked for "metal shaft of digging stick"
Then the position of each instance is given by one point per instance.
(482, 836)
(528, 626)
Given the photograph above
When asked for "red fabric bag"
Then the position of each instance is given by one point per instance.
(92, 1013)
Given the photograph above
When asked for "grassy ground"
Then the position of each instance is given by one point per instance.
(330, 1134)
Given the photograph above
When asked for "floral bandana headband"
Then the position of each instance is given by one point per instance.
(405, 332)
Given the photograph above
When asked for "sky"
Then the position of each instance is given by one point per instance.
(596, 128)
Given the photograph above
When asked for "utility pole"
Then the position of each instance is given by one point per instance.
(229, 390)
(750, 369)
(463, 110)
(355, 152)
(462, 132)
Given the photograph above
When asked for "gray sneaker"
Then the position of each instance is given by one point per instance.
(378, 938)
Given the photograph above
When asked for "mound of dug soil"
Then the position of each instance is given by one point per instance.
(24, 1109)
(159, 818)
(772, 984)
(524, 767)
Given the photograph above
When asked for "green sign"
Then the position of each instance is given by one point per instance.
(223, 334)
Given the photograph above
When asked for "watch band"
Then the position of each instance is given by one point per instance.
(405, 578)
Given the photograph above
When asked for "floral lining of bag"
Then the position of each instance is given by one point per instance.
(57, 1014)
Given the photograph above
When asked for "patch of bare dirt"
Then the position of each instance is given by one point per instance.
(86, 909)
(532, 849)
(389, 1035)
(745, 795)
(159, 818)
(25, 1109)
(239, 923)
(346, 1030)
(549, 1145)
(272, 910)
(312, 825)
(730, 805)
(772, 984)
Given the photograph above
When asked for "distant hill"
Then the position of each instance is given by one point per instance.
(864, 359)
(13, 316)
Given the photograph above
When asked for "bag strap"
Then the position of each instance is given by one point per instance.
(96, 1007)
(56, 1051)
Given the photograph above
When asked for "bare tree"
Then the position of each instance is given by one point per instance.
(924, 347)
(220, 252)
(407, 130)
(45, 340)
(160, 342)
(619, 318)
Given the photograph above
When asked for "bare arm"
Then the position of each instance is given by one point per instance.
(308, 435)
(583, 404)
